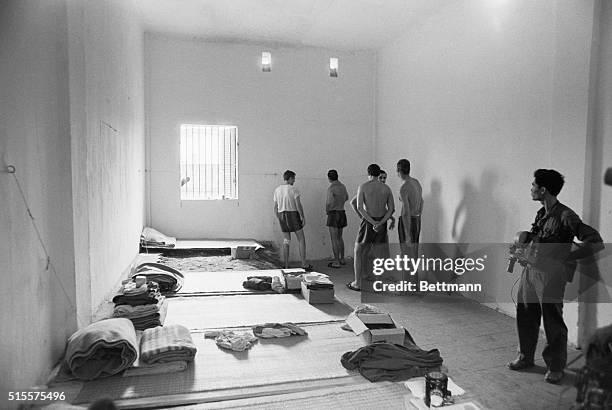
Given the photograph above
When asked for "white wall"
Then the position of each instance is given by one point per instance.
(599, 201)
(479, 96)
(36, 315)
(294, 117)
(107, 119)
(72, 124)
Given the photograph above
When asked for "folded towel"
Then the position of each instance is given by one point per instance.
(102, 349)
(166, 344)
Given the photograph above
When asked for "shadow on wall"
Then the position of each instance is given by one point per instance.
(433, 214)
(480, 217)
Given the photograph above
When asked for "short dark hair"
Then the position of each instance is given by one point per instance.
(403, 166)
(550, 179)
(382, 171)
(288, 174)
(373, 170)
(332, 175)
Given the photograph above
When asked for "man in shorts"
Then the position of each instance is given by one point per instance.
(382, 178)
(375, 205)
(337, 195)
(411, 197)
(288, 209)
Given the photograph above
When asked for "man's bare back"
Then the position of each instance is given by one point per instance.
(375, 196)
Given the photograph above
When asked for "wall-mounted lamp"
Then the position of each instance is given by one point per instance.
(266, 62)
(333, 67)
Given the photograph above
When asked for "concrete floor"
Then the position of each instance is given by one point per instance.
(476, 342)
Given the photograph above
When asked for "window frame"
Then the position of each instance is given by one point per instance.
(236, 162)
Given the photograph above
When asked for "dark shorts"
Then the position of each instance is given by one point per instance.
(415, 230)
(290, 221)
(367, 234)
(336, 219)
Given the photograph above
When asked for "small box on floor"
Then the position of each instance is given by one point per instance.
(376, 327)
(314, 296)
(292, 280)
(242, 252)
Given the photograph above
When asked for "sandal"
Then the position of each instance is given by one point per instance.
(351, 287)
(334, 265)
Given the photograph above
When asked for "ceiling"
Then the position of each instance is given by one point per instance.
(336, 24)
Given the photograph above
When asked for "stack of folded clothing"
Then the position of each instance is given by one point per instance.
(153, 238)
(143, 316)
(167, 344)
(170, 280)
(140, 302)
(317, 280)
(134, 294)
(101, 349)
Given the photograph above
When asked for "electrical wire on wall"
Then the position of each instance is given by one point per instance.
(49, 262)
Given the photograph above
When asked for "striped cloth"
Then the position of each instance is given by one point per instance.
(167, 344)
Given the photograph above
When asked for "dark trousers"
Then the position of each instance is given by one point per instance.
(540, 296)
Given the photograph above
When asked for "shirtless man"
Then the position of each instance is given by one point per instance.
(382, 178)
(375, 206)
(411, 197)
(336, 217)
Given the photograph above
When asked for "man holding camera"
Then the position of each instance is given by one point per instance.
(547, 269)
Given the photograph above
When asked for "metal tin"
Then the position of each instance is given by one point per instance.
(436, 384)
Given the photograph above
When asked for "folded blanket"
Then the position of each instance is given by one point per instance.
(166, 344)
(169, 279)
(152, 237)
(102, 349)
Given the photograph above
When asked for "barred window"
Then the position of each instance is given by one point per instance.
(208, 160)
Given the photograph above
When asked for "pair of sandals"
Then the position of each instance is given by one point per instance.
(335, 264)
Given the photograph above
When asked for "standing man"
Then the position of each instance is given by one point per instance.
(288, 209)
(336, 216)
(409, 222)
(375, 205)
(382, 178)
(542, 282)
